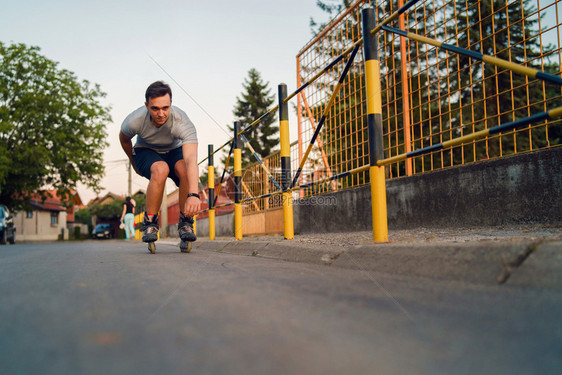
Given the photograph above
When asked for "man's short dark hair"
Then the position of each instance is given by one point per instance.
(156, 90)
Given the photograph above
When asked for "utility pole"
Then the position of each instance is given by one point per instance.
(130, 180)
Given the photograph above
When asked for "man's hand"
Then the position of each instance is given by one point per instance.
(192, 206)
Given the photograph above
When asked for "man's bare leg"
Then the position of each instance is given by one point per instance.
(154, 191)
(158, 173)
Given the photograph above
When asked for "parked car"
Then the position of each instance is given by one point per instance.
(103, 231)
(7, 227)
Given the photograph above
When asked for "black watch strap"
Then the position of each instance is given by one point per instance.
(193, 195)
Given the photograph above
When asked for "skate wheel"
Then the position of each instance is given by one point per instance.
(152, 247)
(185, 246)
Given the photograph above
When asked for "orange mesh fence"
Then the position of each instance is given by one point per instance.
(430, 95)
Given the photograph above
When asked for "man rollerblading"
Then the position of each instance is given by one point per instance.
(166, 146)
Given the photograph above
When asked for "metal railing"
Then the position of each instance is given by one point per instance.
(425, 105)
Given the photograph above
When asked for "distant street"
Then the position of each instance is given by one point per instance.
(109, 307)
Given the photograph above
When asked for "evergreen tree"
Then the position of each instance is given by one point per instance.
(255, 101)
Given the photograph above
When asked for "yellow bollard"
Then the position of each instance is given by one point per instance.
(211, 194)
(288, 224)
(374, 122)
(237, 183)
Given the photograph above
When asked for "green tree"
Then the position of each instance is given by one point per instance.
(84, 216)
(52, 127)
(255, 101)
(108, 211)
(331, 8)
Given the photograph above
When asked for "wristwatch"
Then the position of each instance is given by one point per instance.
(193, 195)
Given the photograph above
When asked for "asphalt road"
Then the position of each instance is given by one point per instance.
(109, 307)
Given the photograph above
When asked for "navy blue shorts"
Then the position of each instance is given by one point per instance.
(143, 158)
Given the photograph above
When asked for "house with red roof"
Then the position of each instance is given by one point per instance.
(48, 218)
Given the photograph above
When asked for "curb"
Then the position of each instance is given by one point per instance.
(487, 262)
(517, 263)
(281, 249)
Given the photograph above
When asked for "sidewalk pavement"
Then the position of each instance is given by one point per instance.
(523, 255)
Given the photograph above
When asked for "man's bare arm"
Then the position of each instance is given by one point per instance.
(192, 204)
(128, 148)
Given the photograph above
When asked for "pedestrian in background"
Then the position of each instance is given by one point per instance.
(128, 218)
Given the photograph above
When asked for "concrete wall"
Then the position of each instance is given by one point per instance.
(343, 211)
(224, 226)
(518, 189)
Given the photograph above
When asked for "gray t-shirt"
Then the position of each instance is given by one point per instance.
(176, 131)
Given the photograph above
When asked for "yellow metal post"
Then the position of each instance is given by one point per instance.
(212, 224)
(211, 180)
(289, 230)
(374, 122)
(237, 183)
(138, 225)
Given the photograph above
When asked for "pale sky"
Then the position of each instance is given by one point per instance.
(208, 47)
